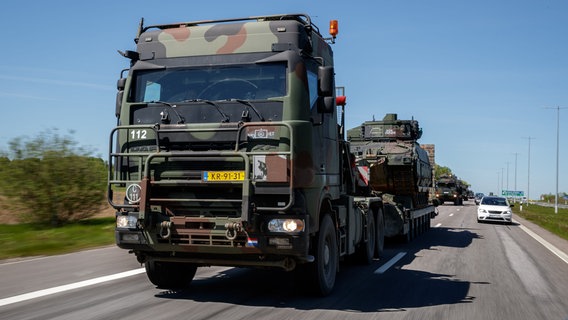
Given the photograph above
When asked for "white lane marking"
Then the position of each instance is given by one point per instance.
(451, 214)
(390, 263)
(67, 287)
(563, 256)
(436, 226)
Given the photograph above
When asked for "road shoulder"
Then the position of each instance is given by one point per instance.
(560, 243)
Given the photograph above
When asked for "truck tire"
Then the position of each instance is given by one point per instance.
(323, 270)
(170, 275)
(366, 250)
(380, 233)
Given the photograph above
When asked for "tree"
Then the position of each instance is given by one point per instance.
(51, 180)
(441, 171)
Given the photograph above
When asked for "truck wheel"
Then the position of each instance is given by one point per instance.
(324, 269)
(380, 242)
(170, 275)
(366, 250)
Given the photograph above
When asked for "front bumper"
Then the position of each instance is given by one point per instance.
(505, 217)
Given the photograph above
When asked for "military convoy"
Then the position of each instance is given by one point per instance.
(391, 161)
(228, 149)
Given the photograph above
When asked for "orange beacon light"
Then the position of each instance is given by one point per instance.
(333, 30)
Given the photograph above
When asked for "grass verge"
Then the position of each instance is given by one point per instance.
(24, 240)
(545, 217)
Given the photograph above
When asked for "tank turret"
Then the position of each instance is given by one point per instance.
(390, 158)
(390, 128)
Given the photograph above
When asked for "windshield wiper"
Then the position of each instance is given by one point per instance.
(246, 111)
(209, 102)
(171, 106)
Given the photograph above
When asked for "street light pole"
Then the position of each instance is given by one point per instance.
(502, 176)
(557, 153)
(498, 178)
(516, 154)
(507, 175)
(529, 172)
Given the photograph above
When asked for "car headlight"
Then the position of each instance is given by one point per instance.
(286, 225)
(126, 222)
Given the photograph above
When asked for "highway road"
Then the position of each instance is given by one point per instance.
(459, 269)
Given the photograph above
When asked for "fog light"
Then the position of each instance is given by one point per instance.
(130, 237)
(286, 225)
(127, 222)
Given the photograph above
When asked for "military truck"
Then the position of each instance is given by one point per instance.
(393, 165)
(450, 189)
(228, 149)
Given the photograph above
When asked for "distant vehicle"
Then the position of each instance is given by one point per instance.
(450, 189)
(493, 208)
(478, 197)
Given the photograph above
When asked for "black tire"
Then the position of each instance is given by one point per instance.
(366, 250)
(324, 269)
(380, 242)
(170, 275)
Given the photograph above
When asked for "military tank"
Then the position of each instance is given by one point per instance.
(391, 161)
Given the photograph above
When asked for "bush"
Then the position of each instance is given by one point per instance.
(50, 180)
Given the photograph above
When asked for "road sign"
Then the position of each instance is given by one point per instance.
(510, 193)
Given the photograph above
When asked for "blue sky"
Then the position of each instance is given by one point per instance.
(480, 76)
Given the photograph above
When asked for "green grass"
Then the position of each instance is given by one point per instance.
(545, 217)
(24, 240)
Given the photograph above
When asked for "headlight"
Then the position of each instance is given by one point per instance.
(133, 193)
(286, 225)
(127, 222)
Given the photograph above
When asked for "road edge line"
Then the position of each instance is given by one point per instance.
(559, 253)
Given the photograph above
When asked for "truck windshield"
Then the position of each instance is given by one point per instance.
(215, 83)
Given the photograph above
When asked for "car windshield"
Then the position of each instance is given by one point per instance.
(246, 82)
(492, 201)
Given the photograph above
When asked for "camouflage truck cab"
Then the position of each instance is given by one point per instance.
(450, 189)
(227, 146)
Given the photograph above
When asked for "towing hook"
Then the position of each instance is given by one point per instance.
(232, 230)
(165, 225)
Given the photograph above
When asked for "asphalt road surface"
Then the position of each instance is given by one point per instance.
(459, 269)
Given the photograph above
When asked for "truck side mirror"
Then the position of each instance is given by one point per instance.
(326, 84)
(326, 87)
(120, 84)
(326, 105)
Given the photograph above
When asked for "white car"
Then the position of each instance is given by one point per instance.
(493, 208)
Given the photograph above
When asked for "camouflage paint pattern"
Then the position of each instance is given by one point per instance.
(397, 164)
(450, 188)
(181, 216)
